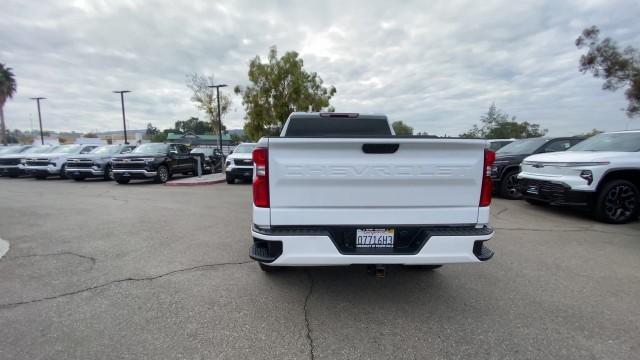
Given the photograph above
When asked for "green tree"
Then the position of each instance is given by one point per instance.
(7, 90)
(592, 133)
(619, 68)
(205, 98)
(161, 136)
(151, 131)
(401, 128)
(194, 125)
(279, 87)
(497, 125)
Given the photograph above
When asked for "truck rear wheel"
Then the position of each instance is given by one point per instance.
(509, 186)
(617, 202)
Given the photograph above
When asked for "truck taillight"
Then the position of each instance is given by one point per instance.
(485, 193)
(261, 178)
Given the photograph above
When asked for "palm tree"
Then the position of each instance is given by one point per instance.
(7, 89)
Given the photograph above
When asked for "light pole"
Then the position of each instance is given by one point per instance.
(219, 116)
(124, 121)
(37, 99)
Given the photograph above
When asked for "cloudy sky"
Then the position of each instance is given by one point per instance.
(436, 65)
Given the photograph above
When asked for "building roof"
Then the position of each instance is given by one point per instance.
(210, 137)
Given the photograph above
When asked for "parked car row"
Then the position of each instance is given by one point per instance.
(600, 174)
(122, 163)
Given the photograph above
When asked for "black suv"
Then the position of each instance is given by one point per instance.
(153, 160)
(506, 167)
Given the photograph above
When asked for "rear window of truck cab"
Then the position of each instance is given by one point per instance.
(337, 126)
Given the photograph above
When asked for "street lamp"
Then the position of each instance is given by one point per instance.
(37, 99)
(124, 121)
(219, 116)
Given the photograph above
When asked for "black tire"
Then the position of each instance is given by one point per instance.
(162, 175)
(423, 267)
(617, 202)
(267, 268)
(509, 186)
(108, 173)
(63, 172)
(535, 202)
(122, 181)
(231, 180)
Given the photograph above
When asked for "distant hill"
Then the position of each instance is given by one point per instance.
(119, 132)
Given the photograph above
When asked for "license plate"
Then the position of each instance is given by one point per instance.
(125, 174)
(374, 238)
(76, 173)
(532, 190)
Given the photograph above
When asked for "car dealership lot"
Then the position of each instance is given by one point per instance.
(100, 270)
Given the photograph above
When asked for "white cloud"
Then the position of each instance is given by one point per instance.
(436, 65)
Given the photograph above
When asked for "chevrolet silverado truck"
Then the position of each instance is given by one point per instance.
(12, 163)
(97, 163)
(601, 173)
(10, 159)
(157, 161)
(44, 165)
(342, 189)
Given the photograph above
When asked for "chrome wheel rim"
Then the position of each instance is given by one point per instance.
(512, 186)
(164, 175)
(620, 202)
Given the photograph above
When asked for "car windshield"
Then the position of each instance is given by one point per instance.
(106, 150)
(626, 141)
(150, 148)
(67, 149)
(524, 146)
(244, 148)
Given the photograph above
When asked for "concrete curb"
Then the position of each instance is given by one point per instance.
(208, 182)
(4, 247)
(194, 181)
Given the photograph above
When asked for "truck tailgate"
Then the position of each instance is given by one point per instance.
(320, 181)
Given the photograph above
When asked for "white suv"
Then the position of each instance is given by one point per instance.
(239, 164)
(601, 173)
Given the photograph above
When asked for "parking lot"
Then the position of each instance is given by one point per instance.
(98, 270)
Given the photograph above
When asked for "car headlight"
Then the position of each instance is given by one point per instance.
(23, 161)
(148, 160)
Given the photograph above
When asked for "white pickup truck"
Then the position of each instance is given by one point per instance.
(601, 173)
(342, 189)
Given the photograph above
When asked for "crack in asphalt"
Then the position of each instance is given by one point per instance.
(90, 258)
(148, 278)
(306, 317)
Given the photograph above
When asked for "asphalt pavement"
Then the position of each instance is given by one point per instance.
(97, 270)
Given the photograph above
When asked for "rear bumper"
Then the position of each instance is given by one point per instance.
(304, 248)
(133, 174)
